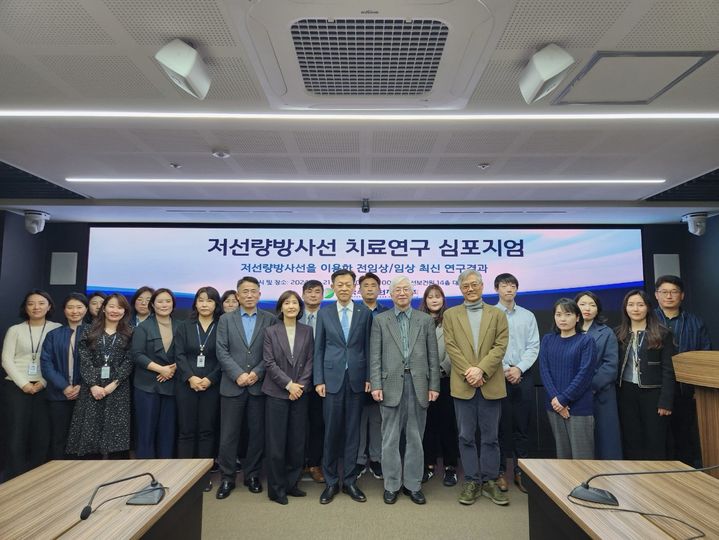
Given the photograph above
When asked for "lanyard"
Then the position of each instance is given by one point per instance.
(207, 336)
(33, 349)
(637, 346)
(104, 347)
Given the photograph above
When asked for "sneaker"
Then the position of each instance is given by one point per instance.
(471, 491)
(502, 482)
(360, 470)
(491, 490)
(428, 473)
(375, 468)
(450, 477)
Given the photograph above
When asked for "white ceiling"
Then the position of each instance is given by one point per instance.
(98, 55)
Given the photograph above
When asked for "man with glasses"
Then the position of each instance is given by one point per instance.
(404, 372)
(690, 334)
(240, 338)
(476, 337)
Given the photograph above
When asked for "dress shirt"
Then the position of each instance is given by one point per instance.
(350, 308)
(523, 347)
(311, 319)
(249, 319)
(403, 321)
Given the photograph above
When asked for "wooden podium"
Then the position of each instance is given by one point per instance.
(701, 369)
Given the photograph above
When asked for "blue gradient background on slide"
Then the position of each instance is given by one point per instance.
(555, 262)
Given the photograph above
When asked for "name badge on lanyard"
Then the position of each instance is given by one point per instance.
(32, 367)
(105, 369)
(201, 356)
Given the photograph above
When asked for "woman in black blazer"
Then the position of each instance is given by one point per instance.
(646, 379)
(197, 390)
(288, 350)
(153, 354)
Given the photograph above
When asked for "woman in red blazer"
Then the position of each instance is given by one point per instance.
(288, 350)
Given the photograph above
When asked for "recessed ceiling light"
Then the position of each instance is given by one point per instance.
(434, 182)
(483, 166)
(221, 154)
(175, 165)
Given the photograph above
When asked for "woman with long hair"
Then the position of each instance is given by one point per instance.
(60, 367)
(646, 379)
(440, 433)
(101, 420)
(27, 428)
(154, 356)
(197, 391)
(566, 364)
(288, 350)
(607, 439)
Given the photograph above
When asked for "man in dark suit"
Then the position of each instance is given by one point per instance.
(240, 338)
(341, 377)
(370, 442)
(404, 368)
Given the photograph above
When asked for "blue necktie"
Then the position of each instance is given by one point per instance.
(345, 323)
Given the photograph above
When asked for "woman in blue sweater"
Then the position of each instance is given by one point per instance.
(567, 359)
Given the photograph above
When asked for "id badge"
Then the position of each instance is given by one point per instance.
(105, 372)
(32, 368)
(200, 360)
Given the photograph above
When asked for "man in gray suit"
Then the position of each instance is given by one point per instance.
(404, 373)
(240, 338)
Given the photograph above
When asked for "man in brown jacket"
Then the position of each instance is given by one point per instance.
(476, 337)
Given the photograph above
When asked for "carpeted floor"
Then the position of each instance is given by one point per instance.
(247, 515)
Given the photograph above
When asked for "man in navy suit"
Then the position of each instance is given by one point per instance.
(341, 377)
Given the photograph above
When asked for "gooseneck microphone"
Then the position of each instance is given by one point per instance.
(584, 492)
(155, 491)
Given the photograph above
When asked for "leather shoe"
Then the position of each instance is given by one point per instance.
(354, 492)
(208, 486)
(296, 492)
(316, 474)
(390, 497)
(416, 496)
(280, 499)
(502, 482)
(225, 489)
(254, 485)
(329, 493)
(519, 483)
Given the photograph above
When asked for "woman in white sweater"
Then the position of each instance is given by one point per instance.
(28, 426)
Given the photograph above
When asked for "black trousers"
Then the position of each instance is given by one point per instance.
(342, 412)
(286, 422)
(315, 430)
(60, 414)
(234, 411)
(440, 432)
(196, 415)
(517, 410)
(685, 427)
(644, 432)
(28, 430)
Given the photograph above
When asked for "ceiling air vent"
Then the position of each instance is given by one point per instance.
(369, 57)
(356, 54)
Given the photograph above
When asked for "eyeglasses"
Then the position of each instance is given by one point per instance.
(403, 289)
(470, 286)
(669, 292)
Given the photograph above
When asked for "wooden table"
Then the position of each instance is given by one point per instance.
(692, 497)
(46, 502)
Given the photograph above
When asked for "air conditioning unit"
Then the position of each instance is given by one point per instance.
(388, 54)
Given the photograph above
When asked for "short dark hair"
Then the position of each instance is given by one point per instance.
(505, 278)
(343, 272)
(672, 280)
(227, 294)
(159, 292)
(600, 318)
(39, 292)
(281, 300)
(99, 294)
(569, 306)
(311, 284)
(76, 296)
(213, 295)
(370, 275)
(249, 279)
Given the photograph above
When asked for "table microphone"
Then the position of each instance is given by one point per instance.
(152, 494)
(584, 492)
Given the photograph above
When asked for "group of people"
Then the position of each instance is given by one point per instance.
(349, 388)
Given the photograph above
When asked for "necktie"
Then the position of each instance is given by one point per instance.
(345, 323)
(311, 322)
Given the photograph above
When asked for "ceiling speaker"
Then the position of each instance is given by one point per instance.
(183, 65)
(545, 71)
